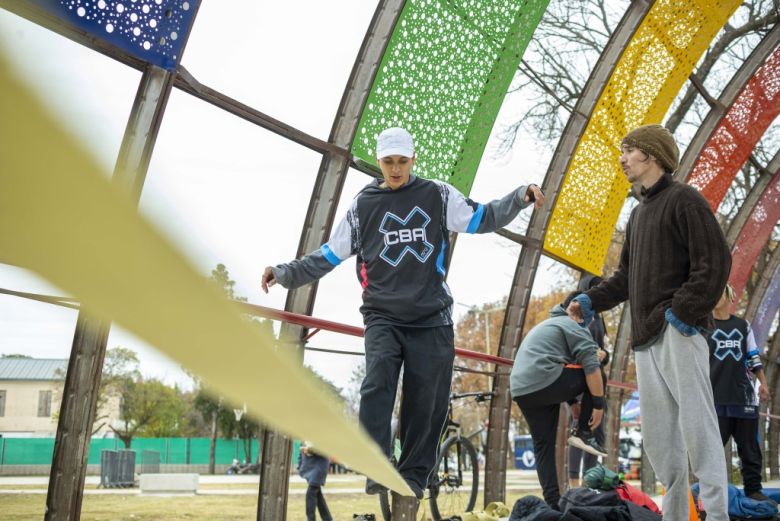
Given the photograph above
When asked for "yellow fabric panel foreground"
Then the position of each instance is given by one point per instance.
(60, 217)
(653, 68)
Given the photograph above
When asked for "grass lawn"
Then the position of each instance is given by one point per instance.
(23, 507)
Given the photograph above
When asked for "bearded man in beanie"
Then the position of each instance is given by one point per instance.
(398, 228)
(673, 267)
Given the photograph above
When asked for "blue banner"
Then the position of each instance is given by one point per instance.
(151, 30)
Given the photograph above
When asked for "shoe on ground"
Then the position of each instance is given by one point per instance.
(587, 442)
(372, 487)
(760, 496)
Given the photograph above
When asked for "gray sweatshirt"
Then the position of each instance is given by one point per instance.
(549, 346)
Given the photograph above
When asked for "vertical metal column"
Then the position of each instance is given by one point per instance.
(617, 371)
(82, 381)
(277, 448)
(512, 330)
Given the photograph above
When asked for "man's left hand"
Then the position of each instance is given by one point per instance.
(763, 393)
(535, 194)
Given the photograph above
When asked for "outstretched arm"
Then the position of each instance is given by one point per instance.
(317, 264)
(606, 295)
(465, 215)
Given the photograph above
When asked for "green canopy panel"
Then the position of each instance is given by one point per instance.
(443, 77)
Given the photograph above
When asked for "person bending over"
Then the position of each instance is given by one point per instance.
(557, 362)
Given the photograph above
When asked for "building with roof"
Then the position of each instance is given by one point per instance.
(30, 394)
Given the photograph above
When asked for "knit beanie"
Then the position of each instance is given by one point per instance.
(656, 141)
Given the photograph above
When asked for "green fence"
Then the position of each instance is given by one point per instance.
(173, 451)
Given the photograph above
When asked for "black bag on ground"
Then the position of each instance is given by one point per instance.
(584, 497)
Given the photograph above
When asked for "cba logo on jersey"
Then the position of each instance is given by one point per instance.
(728, 344)
(404, 236)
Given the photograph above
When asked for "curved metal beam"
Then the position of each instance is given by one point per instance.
(272, 503)
(512, 329)
(618, 369)
(765, 278)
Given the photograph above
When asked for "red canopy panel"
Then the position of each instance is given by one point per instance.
(743, 125)
(755, 235)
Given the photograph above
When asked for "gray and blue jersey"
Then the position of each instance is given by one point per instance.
(400, 240)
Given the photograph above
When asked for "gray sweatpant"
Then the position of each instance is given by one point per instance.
(679, 421)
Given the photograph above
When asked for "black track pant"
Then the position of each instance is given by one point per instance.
(745, 433)
(427, 355)
(315, 500)
(541, 410)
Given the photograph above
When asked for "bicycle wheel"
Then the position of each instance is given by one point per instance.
(455, 481)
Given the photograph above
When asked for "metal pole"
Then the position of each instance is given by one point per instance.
(82, 381)
(487, 333)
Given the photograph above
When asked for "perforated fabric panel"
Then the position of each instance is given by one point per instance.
(443, 77)
(737, 134)
(152, 30)
(653, 68)
(767, 310)
(755, 235)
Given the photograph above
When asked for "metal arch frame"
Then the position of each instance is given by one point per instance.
(272, 504)
(335, 163)
(184, 81)
(773, 379)
(82, 379)
(525, 273)
(771, 367)
(720, 107)
(769, 279)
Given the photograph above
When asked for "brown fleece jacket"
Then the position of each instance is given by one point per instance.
(674, 255)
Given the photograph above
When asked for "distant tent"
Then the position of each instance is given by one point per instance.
(630, 411)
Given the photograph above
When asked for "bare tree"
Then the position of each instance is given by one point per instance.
(752, 22)
(571, 37)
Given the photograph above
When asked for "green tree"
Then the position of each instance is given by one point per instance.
(209, 404)
(147, 407)
(120, 366)
(210, 407)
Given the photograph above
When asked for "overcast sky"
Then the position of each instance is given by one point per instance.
(226, 191)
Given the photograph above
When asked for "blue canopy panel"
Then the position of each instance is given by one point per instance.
(154, 31)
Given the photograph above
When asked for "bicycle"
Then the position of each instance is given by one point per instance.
(450, 492)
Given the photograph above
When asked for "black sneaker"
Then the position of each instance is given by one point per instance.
(760, 496)
(586, 441)
(373, 488)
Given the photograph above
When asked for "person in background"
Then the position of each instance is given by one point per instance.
(313, 467)
(673, 267)
(733, 356)
(579, 460)
(557, 362)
